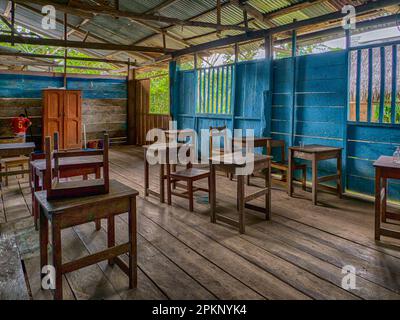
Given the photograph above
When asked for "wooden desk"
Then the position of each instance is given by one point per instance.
(159, 147)
(67, 167)
(14, 150)
(259, 142)
(229, 163)
(385, 169)
(316, 153)
(66, 213)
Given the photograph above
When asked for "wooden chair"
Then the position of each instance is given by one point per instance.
(282, 166)
(188, 176)
(57, 189)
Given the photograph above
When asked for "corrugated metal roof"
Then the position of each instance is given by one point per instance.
(126, 31)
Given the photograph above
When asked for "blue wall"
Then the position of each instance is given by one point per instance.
(306, 101)
(31, 86)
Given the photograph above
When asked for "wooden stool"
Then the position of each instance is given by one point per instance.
(69, 212)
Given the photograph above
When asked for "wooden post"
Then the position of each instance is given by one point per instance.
(66, 48)
(12, 22)
(131, 105)
(294, 54)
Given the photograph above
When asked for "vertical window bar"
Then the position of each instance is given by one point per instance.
(383, 84)
(358, 85)
(204, 92)
(212, 91)
(217, 95)
(370, 75)
(208, 91)
(226, 89)
(394, 83)
(222, 89)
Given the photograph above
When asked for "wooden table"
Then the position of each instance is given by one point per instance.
(66, 213)
(159, 147)
(259, 142)
(316, 153)
(67, 167)
(14, 150)
(229, 163)
(385, 169)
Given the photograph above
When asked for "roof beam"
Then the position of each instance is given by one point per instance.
(292, 8)
(49, 56)
(85, 11)
(259, 34)
(83, 33)
(258, 15)
(82, 45)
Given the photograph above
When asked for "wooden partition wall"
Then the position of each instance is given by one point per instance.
(145, 120)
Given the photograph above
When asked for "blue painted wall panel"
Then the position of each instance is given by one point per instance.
(28, 86)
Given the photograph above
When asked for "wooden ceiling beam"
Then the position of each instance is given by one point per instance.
(52, 56)
(84, 34)
(85, 11)
(82, 45)
(292, 8)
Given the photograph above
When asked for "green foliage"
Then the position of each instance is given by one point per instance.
(28, 48)
(159, 95)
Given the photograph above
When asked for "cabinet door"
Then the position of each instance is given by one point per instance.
(72, 120)
(53, 114)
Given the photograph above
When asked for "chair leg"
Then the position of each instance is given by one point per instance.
(190, 195)
(22, 168)
(6, 171)
(304, 182)
(209, 189)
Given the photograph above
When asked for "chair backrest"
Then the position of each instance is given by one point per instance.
(95, 186)
(277, 144)
(218, 132)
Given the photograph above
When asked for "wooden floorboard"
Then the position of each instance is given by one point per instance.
(181, 255)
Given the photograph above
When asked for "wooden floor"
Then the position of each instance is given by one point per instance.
(298, 255)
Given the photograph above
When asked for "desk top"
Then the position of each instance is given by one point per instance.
(314, 148)
(15, 149)
(165, 146)
(236, 159)
(117, 191)
(256, 139)
(69, 162)
(386, 162)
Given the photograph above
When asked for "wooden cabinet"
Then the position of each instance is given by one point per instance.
(62, 112)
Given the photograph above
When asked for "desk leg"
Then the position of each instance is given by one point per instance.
(162, 183)
(35, 205)
(268, 196)
(146, 175)
(384, 186)
(290, 174)
(377, 204)
(339, 173)
(98, 221)
(43, 240)
(111, 236)
(213, 194)
(56, 252)
(240, 195)
(314, 179)
(133, 245)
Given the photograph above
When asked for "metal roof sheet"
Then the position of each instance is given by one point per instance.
(126, 31)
